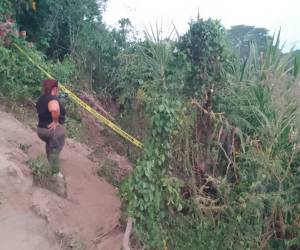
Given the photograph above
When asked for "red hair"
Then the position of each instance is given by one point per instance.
(48, 85)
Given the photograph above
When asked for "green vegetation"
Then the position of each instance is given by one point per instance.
(19, 79)
(24, 147)
(41, 170)
(109, 170)
(222, 174)
(220, 164)
(43, 176)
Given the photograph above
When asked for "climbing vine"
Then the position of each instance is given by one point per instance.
(151, 190)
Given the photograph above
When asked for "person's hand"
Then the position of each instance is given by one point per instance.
(53, 125)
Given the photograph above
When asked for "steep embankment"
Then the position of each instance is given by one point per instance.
(36, 218)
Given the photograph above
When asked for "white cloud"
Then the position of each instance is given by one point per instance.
(263, 13)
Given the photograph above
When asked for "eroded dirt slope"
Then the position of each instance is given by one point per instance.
(36, 218)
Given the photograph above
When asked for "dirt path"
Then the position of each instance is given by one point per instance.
(32, 218)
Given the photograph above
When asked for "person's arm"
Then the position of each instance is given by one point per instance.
(53, 107)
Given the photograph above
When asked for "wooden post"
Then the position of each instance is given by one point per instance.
(126, 238)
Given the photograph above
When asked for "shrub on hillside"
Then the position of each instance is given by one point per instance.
(20, 79)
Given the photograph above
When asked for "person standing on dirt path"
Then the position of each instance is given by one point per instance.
(51, 119)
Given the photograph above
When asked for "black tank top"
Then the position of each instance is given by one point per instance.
(44, 115)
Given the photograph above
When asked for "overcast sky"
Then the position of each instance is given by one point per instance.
(270, 14)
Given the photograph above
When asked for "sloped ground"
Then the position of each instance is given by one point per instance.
(33, 218)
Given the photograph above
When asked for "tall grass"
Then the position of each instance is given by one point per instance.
(263, 105)
(254, 203)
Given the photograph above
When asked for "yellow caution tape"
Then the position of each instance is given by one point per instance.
(88, 108)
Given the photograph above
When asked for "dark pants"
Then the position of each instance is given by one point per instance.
(55, 141)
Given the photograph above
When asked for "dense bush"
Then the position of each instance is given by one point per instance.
(232, 182)
(206, 48)
(20, 80)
